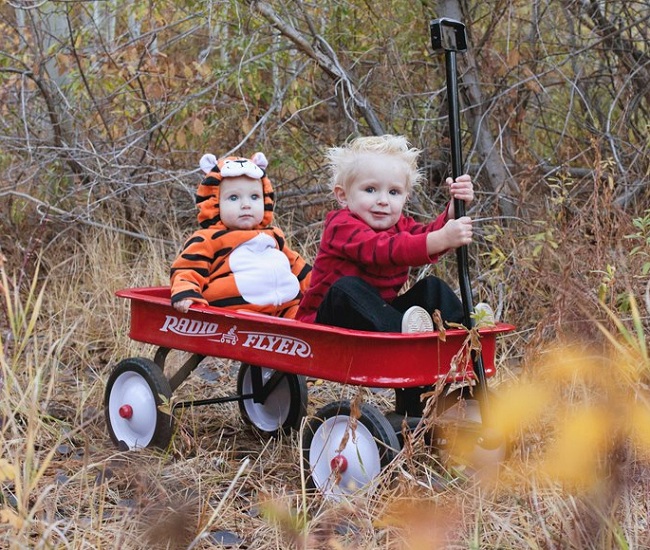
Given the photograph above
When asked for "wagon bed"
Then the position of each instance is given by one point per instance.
(391, 360)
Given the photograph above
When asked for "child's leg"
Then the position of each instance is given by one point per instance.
(432, 293)
(353, 303)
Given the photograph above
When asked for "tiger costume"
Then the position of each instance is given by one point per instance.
(250, 269)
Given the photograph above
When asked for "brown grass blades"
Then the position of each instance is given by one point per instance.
(577, 413)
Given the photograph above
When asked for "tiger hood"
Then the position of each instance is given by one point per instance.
(207, 194)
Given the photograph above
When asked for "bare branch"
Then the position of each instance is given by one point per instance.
(326, 60)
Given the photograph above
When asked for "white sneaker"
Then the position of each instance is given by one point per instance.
(484, 315)
(416, 319)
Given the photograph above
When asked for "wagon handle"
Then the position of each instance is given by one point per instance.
(449, 35)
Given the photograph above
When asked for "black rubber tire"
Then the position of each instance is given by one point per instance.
(141, 384)
(284, 408)
(374, 436)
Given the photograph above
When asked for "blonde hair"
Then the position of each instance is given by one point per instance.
(344, 165)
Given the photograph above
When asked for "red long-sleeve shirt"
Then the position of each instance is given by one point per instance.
(382, 258)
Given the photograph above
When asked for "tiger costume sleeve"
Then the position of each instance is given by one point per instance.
(191, 269)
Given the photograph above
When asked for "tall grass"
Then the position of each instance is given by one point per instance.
(30, 437)
(577, 411)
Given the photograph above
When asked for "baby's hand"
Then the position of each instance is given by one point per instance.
(459, 232)
(183, 306)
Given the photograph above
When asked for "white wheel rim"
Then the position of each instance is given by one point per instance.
(272, 414)
(468, 411)
(361, 453)
(131, 389)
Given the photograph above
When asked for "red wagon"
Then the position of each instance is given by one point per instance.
(277, 355)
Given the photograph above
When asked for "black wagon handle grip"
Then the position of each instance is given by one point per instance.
(448, 34)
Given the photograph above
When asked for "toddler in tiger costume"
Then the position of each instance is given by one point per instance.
(238, 260)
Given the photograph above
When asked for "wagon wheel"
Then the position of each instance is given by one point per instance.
(462, 440)
(136, 392)
(282, 399)
(342, 459)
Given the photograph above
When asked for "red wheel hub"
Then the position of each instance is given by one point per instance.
(339, 463)
(126, 411)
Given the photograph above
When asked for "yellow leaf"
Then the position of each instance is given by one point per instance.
(197, 127)
(7, 470)
(180, 138)
(292, 106)
(246, 125)
(202, 69)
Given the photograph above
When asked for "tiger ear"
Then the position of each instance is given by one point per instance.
(208, 162)
(259, 159)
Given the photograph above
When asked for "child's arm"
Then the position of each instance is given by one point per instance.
(348, 238)
(189, 271)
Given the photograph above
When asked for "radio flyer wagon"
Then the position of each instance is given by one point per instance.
(344, 445)
(277, 355)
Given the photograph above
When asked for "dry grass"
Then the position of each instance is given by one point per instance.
(577, 411)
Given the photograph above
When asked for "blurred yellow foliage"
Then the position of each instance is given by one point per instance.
(568, 364)
(582, 441)
(419, 524)
(589, 400)
(518, 406)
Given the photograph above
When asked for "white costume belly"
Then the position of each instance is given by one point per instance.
(262, 273)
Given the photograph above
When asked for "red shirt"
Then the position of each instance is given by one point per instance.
(349, 246)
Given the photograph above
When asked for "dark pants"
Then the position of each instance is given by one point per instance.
(353, 303)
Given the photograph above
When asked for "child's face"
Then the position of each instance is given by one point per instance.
(378, 193)
(241, 202)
